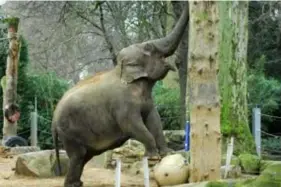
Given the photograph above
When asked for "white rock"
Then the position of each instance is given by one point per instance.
(172, 170)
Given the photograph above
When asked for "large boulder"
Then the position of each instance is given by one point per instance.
(172, 170)
(41, 164)
(132, 151)
(8, 152)
(137, 169)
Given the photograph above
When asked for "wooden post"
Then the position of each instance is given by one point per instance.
(10, 88)
(203, 68)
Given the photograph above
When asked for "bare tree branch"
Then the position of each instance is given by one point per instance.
(109, 44)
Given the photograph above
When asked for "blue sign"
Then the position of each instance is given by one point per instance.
(187, 139)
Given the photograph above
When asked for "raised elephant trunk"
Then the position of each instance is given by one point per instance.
(168, 45)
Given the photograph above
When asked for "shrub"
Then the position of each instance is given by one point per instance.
(271, 144)
(168, 106)
(47, 89)
(263, 90)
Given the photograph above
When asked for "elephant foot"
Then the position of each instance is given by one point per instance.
(152, 155)
(75, 184)
(166, 151)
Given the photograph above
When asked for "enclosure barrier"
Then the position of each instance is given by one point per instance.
(257, 132)
(256, 126)
(145, 172)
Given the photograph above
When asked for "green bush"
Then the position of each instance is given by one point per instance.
(263, 90)
(47, 89)
(249, 163)
(168, 106)
(272, 144)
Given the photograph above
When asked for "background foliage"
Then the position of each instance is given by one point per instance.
(47, 88)
(74, 43)
(168, 105)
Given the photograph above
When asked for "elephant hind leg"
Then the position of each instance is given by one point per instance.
(89, 155)
(76, 153)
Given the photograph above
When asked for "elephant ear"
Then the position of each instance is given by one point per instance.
(131, 71)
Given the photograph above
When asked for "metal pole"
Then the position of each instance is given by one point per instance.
(257, 128)
(118, 173)
(145, 172)
(187, 130)
(33, 131)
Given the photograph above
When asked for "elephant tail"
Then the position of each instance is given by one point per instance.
(56, 144)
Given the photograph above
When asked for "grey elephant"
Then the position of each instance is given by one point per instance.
(104, 111)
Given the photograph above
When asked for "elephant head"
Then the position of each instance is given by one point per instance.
(147, 59)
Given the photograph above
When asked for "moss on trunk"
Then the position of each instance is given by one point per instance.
(233, 73)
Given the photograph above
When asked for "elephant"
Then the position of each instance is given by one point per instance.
(104, 111)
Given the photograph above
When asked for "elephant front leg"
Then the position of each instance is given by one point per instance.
(154, 125)
(135, 127)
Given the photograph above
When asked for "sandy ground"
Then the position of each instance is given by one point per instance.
(92, 177)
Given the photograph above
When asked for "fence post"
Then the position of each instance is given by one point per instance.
(118, 173)
(33, 130)
(256, 128)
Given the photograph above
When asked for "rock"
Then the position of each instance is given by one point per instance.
(175, 139)
(249, 163)
(172, 170)
(233, 172)
(133, 151)
(6, 152)
(137, 169)
(41, 164)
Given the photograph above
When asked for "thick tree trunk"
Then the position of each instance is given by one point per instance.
(233, 73)
(179, 78)
(204, 91)
(181, 63)
(10, 79)
(172, 78)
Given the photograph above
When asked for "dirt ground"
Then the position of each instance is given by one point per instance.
(92, 177)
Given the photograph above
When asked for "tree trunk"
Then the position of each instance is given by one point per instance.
(180, 59)
(203, 87)
(10, 79)
(181, 62)
(171, 80)
(233, 73)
